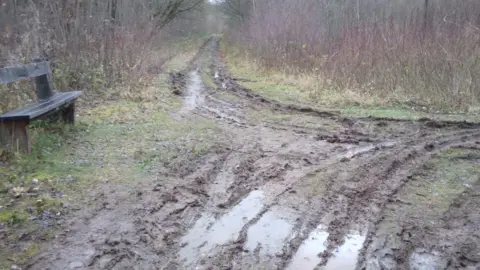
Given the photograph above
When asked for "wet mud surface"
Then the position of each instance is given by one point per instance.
(282, 196)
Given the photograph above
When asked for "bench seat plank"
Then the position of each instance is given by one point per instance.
(41, 107)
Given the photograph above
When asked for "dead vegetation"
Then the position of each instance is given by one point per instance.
(423, 53)
(222, 157)
(94, 45)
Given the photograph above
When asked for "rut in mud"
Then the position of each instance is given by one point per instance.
(279, 196)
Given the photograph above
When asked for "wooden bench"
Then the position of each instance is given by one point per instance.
(14, 124)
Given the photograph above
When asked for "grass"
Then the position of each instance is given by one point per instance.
(105, 146)
(425, 198)
(127, 141)
(13, 217)
(207, 79)
(312, 90)
(288, 119)
(432, 190)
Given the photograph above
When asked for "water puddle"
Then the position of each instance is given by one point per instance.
(193, 96)
(345, 257)
(208, 233)
(361, 150)
(307, 254)
(270, 232)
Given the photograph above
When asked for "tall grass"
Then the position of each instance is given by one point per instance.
(424, 52)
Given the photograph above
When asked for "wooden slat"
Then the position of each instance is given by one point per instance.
(41, 107)
(17, 73)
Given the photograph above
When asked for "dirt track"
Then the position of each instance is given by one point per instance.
(280, 196)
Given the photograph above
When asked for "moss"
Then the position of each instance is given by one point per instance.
(13, 217)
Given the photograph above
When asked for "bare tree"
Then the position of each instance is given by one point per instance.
(238, 9)
(168, 10)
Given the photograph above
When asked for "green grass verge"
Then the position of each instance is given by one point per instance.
(125, 141)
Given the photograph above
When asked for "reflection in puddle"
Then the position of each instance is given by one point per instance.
(345, 257)
(202, 238)
(270, 232)
(193, 96)
(307, 255)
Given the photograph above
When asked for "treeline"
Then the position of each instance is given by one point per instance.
(92, 43)
(427, 51)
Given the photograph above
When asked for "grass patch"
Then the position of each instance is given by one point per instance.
(13, 217)
(313, 90)
(272, 85)
(128, 140)
(306, 121)
(406, 114)
(430, 193)
(438, 184)
(208, 80)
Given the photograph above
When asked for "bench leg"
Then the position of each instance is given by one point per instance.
(68, 114)
(15, 135)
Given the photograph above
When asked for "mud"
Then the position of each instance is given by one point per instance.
(279, 196)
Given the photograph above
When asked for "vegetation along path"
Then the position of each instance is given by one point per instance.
(229, 179)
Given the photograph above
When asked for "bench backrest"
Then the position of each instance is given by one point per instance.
(40, 70)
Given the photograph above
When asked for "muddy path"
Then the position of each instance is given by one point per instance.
(277, 195)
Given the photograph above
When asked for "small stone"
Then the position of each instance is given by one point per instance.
(157, 187)
(34, 181)
(429, 147)
(344, 159)
(113, 241)
(144, 238)
(75, 264)
(15, 267)
(159, 248)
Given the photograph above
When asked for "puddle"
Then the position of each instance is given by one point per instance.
(208, 233)
(345, 257)
(307, 254)
(270, 232)
(361, 150)
(193, 97)
(427, 261)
